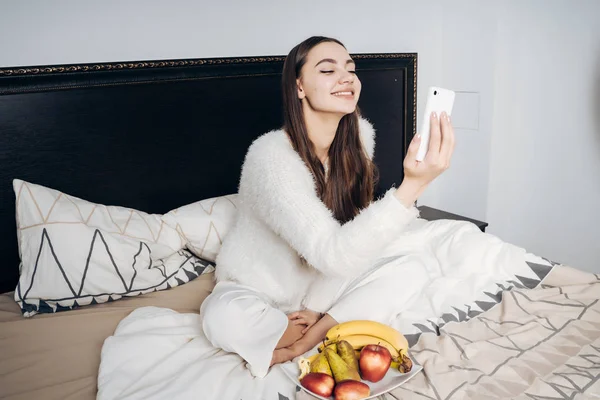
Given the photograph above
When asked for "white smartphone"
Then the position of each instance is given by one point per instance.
(438, 100)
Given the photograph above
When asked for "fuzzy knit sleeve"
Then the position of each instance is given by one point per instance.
(278, 188)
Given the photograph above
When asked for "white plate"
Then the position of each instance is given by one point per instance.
(390, 381)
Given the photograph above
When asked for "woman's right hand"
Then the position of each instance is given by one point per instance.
(419, 174)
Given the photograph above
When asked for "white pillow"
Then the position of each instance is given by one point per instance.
(204, 224)
(74, 252)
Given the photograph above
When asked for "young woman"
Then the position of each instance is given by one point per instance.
(300, 257)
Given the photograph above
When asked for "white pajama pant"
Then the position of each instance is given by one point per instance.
(239, 319)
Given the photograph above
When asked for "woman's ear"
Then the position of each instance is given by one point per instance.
(301, 94)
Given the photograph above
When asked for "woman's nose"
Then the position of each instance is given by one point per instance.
(347, 77)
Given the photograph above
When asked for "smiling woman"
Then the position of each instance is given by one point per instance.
(308, 226)
(320, 93)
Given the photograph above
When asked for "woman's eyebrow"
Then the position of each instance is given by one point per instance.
(331, 60)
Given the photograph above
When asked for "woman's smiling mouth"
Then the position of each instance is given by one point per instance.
(347, 94)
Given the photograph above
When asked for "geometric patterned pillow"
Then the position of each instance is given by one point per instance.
(74, 252)
(204, 224)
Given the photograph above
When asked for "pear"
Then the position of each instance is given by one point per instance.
(346, 351)
(320, 364)
(341, 370)
(332, 346)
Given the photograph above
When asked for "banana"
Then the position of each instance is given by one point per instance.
(304, 367)
(406, 364)
(313, 357)
(403, 366)
(360, 341)
(372, 328)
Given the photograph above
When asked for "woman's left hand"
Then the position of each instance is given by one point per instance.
(305, 317)
(286, 354)
(282, 355)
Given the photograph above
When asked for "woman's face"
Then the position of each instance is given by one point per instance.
(328, 81)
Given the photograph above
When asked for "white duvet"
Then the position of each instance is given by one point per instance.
(156, 353)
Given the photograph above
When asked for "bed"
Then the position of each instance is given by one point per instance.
(154, 148)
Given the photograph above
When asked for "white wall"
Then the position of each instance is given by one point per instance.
(507, 54)
(467, 66)
(544, 187)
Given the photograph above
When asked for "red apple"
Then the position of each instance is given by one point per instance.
(318, 383)
(351, 390)
(374, 362)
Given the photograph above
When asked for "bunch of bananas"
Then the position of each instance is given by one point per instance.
(360, 333)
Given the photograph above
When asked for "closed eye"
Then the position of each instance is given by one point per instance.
(330, 72)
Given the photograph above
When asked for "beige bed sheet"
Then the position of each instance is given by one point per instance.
(56, 356)
(542, 343)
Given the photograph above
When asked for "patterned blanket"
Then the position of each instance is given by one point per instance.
(540, 343)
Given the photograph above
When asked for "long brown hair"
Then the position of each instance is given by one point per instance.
(352, 175)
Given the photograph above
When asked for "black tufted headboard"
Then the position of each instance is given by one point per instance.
(155, 135)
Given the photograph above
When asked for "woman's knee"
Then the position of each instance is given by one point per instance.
(228, 317)
(216, 316)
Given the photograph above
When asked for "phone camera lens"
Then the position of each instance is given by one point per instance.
(434, 92)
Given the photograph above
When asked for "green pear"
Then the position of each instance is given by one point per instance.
(320, 364)
(332, 346)
(341, 370)
(346, 351)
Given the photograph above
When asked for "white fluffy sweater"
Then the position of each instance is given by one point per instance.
(281, 221)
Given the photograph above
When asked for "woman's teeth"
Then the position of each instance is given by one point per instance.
(343, 94)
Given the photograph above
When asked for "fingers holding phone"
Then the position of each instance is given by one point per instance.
(419, 174)
(448, 142)
(439, 101)
(430, 153)
(435, 137)
(441, 144)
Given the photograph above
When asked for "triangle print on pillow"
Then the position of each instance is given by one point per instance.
(75, 253)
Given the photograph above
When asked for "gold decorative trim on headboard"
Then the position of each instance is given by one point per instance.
(133, 65)
(57, 69)
(414, 98)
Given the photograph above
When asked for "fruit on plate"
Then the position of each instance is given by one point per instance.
(320, 364)
(332, 345)
(303, 367)
(405, 365)
(369, 328)
(360, 333)
(360, 341)
(351, 390)
(353, 353)
(313, 357)
(341, 370)
(375, 360)
(346, 352)
(304, 364)
(318, 383)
